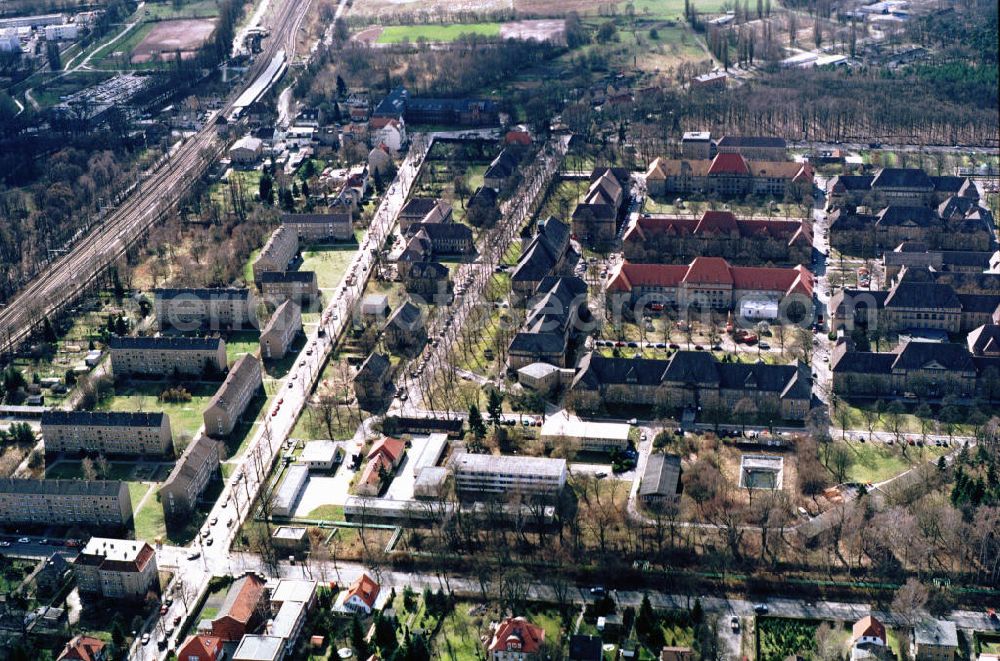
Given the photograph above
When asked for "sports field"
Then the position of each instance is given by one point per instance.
(395, 34)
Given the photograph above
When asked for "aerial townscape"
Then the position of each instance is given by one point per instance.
(499, 330)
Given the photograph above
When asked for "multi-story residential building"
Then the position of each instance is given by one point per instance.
(427, 279)
(726, 175)
(107, 432)
(915, 369)
(117, 569)
(546, 254)
(298, 286)
(515, 639)
(279, 250)
(711, 283)
(897, 186)
(934, 640)
(104, 503)
(242, 383)
(406, 329)
(693, 380)
(551, 323)
(372, 379)
(196, 467)
(914, 301)
(320, 227)
(424, 210)
(595, 218)
(281, 330)
(743, 241)
(164, 356)
(189, 309)
(956, 224)
(697, 145)
(441, 238)
(753, 148)
(291, 601)
(482, 474)
(916, 255)
(243, 610)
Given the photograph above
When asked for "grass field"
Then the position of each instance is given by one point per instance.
(674, 9)
(876, 462)
(329, 262)
(185, 417)
(124, 45)
(395, 34)
(327, 513)
(241, 343)
(168, 10)
(148, 521)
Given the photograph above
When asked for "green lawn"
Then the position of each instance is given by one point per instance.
(124, 45)
(327, 513)
(673, 9)
(185, 417)
(240, 343)
(911, 423)
(876, 462)
(169, 10)
(329, 262)
(149, 523)
(395, 34)
(136, 491)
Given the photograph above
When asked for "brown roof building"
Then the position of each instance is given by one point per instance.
(83, 648)
(243, 609)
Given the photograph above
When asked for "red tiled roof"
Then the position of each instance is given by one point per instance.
(729, 164)
(516, 633)
(380, 122)
(203, 647)
(372, 472)
(716, 221)
(868, 626)
(242, 599)
(392, 448)
(82, 648)
(712, 271)
(364, 588)
(517, 137)
(709, 271)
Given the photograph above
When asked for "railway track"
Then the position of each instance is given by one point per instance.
(66, 278)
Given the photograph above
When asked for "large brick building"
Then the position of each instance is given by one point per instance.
(116, 569)
(693, 379)
(107, 432)
(189, 309)
(242, 383)
(551, 324)
(104, 503)
(726, 175)
(897, 186)
(711, 283)
(673, 239)
(164, 356)
(955, 224)
(244, 608)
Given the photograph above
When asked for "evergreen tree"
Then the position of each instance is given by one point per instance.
(48, 331)
(385, 635)
(358, 641)
(494, 406)
(476, 425)
(645, 621)
(341, 86)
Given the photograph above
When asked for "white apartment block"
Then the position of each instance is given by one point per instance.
(484, 473)
(244, 381)
(65, 502)
(163, 356)
(116, 568)
(107, 432)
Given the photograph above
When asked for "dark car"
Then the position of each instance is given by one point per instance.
(760, 609)
(598, 591)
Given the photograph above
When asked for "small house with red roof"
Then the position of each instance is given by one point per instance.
(515, 639)
(361, 596)
(243, 609)
(868, 639)
(83, 648)
(675, 238)
(711, 283)
(725, 175)
(384, 457)
(389, 131)
(201, 648)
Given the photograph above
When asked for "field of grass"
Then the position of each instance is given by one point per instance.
(876, 462)
(185, 417)
(395, 34)
(149, 522)
(240, 343)
(124, 45)
(329, 262)
(673, 9)
(168, 10)
(327, 513)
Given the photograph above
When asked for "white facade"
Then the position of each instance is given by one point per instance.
(65, 32)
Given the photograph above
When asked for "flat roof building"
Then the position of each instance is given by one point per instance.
(288, 491)
(116, 568)
(484, 474)
(595, 436)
